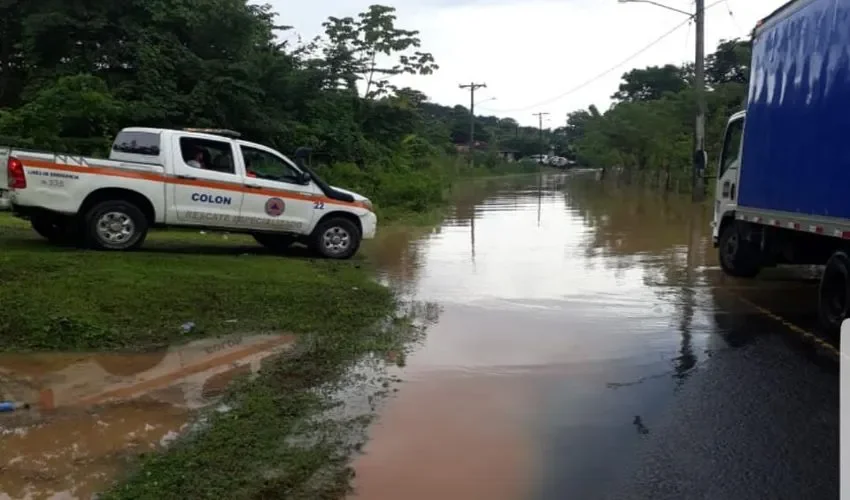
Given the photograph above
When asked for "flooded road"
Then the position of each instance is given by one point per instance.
(589, 346)
(581, 343)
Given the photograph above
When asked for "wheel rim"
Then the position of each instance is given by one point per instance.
(336, 240)
(115, 227)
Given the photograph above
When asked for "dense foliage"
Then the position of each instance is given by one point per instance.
(74, 72)
(649, 129)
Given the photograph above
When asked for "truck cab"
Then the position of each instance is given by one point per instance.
(190, 178)
(728, 174)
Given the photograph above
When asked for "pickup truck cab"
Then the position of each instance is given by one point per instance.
(189, 178)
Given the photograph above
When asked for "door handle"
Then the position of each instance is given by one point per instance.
(732, 193)
(188, 177)
(253, 186)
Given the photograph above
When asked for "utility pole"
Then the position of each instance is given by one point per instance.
(540, 120)
(472, 86)
(700, 156)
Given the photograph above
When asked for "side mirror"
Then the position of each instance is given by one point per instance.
(305, 178)
(302, 155)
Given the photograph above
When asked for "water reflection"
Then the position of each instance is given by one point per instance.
(92, 413)
(572, 312)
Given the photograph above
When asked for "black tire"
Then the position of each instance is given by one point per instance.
(55, 229)
(336, 238)
(129, 236)
(275, 242)
(738, 257)
(834, 293)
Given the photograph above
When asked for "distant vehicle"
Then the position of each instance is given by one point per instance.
(192, 178)
(558, 161)
(784, 170)
(541, 159)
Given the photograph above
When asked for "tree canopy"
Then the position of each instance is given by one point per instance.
(74, 72)
(650, 126)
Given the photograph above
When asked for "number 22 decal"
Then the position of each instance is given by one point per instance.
(319, 205)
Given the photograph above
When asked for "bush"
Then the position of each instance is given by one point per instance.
(397, 186)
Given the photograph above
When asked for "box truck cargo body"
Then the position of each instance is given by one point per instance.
(784, 174)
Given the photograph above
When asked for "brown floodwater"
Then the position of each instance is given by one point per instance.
(565, 316)
(571, 313)
(90, 414)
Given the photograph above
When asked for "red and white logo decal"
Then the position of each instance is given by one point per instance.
(275, 207)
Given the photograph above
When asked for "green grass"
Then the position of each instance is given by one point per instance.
(276, 440)
(66, 298)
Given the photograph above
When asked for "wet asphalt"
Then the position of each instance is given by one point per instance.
(589, 347)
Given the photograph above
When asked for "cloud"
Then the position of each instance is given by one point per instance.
(530, 51)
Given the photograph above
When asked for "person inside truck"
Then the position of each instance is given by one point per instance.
(197, 157)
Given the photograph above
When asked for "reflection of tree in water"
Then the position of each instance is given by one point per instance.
(666, 236)
(398, 251)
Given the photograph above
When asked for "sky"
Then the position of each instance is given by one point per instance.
(538, 55)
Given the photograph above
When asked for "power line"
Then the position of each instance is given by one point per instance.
(734, 20)
(609, 70)
(600, 75)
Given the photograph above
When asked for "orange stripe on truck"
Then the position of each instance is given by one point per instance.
(169, 179)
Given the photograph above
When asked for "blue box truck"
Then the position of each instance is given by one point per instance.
(783, 185)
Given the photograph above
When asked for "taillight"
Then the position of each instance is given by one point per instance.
(15, 171)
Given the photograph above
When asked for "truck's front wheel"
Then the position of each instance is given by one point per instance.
(336, 238)
(738, 257)
(115, 225)
(834, 292)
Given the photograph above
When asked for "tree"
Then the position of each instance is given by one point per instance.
(730, 63)
(650, 83)
(353, 48)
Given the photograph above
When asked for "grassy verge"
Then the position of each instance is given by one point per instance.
(415, 194)
(276, 440)
(65, 298)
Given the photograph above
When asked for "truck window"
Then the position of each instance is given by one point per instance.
(732, 145)
(207, 154)
(264, 165)
(138, 143)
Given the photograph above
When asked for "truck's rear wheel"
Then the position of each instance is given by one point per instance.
(274, 242)
(738, 257)
(55, 229)
(336, 238)
(115, 225)
(834, 293)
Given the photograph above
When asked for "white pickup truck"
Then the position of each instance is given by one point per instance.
(205, 179)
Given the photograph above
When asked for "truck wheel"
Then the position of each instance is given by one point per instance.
(738, 257)
(54, 229)
(834, 293)
(336, 238)
(274, 242)
(115, 225)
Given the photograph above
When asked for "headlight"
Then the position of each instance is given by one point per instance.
(369, 205)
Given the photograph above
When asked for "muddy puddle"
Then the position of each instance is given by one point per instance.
(90, 414)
